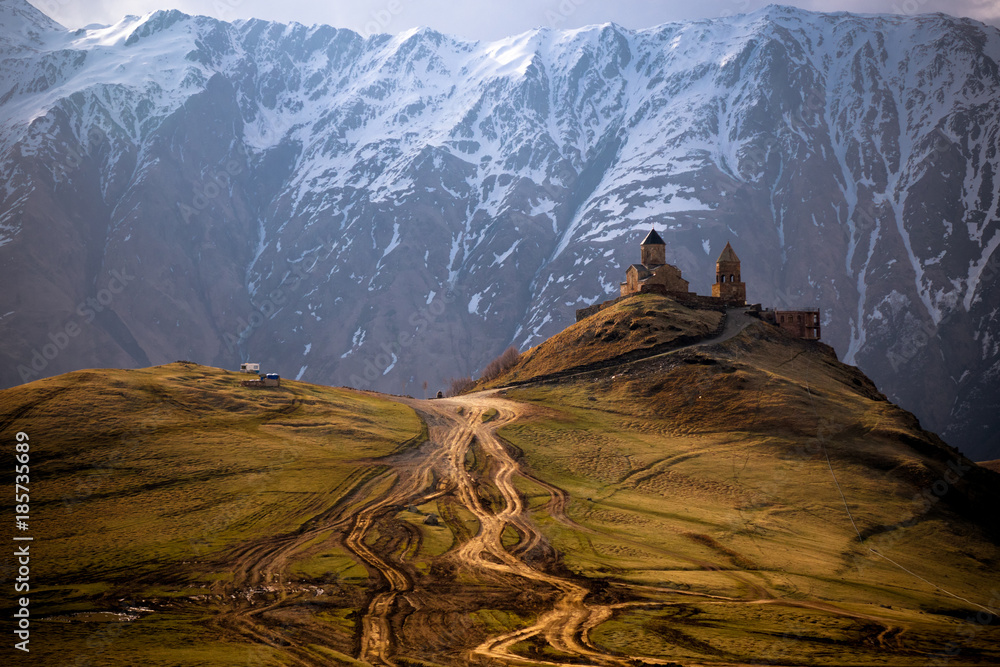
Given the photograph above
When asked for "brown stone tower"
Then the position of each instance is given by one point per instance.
(728, 284)
(654, 250)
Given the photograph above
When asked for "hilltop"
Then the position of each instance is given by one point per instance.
(701, 493)
(765, 455)
(632, 328)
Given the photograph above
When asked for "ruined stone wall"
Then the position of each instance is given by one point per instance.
(800, 323)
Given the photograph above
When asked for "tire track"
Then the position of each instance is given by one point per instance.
(365, 514)
(563, 627)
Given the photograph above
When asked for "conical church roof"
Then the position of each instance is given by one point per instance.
(652, 238)
(728, 255)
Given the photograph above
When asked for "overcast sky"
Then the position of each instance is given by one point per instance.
(485, 19)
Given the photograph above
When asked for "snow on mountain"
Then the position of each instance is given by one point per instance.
(275, 188)
(24, 27)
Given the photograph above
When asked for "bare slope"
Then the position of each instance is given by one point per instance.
(991, 465)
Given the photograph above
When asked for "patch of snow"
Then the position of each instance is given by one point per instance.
(501, 258)
(391, 365)
(474, 303)
(990, 258)
(394, 243)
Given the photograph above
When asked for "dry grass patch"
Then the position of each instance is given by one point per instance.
(642, 322)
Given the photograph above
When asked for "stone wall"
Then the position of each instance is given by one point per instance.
(800, 323)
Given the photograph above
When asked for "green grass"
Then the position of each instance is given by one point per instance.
(721, 489)
(329, 562)
(435, 541)
(143, 483)
(702, 507)
(158, 640)
(183, 462)
(499, 621)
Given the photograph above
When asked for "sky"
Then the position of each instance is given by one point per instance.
(486, 19)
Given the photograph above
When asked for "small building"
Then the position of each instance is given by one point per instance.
(799, 323)
(250, 368)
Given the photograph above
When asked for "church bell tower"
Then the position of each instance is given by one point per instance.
(728, 283)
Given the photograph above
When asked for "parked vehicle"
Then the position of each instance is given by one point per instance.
(264, 380)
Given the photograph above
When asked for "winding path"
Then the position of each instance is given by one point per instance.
(457, 423)
(736, 320)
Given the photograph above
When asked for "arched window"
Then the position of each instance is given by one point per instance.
(732, 278)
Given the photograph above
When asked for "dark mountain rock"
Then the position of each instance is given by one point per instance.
(386, 211)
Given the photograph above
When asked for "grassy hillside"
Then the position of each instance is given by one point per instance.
(739, 503)
(643, 322)
(145, 484)
(762, 468)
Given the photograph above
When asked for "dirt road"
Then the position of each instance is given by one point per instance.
(466, 466)
(458, 423)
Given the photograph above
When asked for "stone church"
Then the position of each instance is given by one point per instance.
(654, 270)
(655, 275)
(728, 284)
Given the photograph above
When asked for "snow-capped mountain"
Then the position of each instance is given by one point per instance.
(391, 210)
